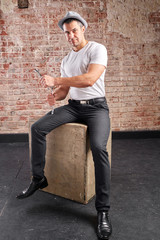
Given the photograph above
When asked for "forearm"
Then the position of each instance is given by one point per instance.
(81, 81)
(61, 93)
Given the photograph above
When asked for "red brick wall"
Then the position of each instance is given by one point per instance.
(31, 39)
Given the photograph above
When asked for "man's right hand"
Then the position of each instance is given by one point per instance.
(51, 99)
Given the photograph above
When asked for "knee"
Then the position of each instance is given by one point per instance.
(100, 155)
(98, 148)
(35, 128)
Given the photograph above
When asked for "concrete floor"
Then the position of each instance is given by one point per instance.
(135, 197)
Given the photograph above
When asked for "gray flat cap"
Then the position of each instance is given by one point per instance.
(73, 15)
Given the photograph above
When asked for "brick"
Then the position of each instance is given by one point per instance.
(35, 41)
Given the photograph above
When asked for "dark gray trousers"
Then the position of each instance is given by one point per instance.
(96, 117)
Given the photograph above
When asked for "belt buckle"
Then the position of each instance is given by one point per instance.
(82, 102)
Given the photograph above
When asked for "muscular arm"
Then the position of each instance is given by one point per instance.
(84, 80)
(81, 81)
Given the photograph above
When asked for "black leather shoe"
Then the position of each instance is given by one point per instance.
(104, 225)
(34, 186)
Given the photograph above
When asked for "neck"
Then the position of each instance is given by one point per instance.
(80, 46)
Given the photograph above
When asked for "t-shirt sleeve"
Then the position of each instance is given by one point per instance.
(63, 74)
(99, 55)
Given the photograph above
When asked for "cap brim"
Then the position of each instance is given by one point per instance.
(61, 22)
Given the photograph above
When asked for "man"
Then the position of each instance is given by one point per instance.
(82, 75)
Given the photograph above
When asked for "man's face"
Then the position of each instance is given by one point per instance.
(74, 33)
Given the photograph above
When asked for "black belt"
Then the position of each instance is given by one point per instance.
(90, 101)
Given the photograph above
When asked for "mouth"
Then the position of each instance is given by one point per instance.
(73, 41)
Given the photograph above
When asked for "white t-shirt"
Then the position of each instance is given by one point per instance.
(76, 63)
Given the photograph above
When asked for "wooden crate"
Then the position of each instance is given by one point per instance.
(69, 165)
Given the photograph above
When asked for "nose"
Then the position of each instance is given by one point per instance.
(71, 35)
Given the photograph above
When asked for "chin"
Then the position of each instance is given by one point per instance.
(75, 44)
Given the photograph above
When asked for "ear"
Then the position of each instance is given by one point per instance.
(83, 29)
